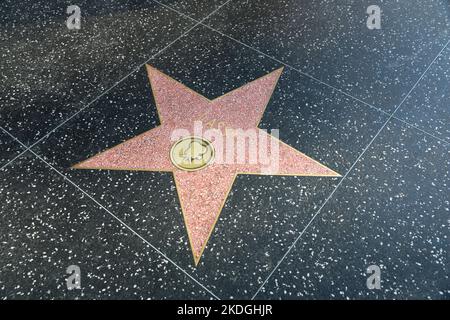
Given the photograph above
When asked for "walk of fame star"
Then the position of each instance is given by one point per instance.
(203, 183)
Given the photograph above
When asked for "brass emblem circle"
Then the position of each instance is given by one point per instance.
(192, 153)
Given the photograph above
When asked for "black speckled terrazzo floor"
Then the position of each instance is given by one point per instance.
(373, 105)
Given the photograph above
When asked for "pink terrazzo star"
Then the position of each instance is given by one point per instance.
(203, 193)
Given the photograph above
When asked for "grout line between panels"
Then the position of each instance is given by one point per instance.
(165, 257)
(302, 72)
(348, 172)
(28, 148)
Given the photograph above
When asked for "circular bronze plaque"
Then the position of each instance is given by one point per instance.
(192, 153)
